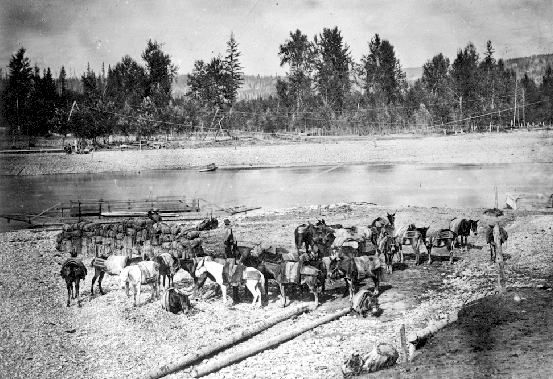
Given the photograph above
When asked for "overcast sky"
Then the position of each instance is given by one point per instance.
(73, 33)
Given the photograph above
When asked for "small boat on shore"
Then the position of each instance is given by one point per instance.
(209, 167)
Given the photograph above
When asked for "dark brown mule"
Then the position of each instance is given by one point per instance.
(463, 229)
(303, 235)
(73, 271)
(168, 267)
(490, 240)
(354, 271)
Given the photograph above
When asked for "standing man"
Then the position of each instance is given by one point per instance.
(228, 239)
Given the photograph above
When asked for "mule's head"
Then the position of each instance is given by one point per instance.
(391, 218)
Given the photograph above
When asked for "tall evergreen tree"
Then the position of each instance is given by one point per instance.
(17, 94)
(333, 64)
(437, 85)
(234, 70)
(384, 81)
(466, 81)
(295, 91)
(160, 73)
(126, 83)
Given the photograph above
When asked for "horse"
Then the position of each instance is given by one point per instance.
(463, 228)
(441, 238)
(112, 265)
(355, 270)
(255, 282)
(73, 271)
(168, 266)
(386, 245)
(411, 235)
(146, 272)
(503, 235)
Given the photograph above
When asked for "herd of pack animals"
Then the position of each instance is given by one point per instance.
(318, 258)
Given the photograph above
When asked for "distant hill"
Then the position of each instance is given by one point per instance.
(412, 74)
(254, 86)
(533, 66)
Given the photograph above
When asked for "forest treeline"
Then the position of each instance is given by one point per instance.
(324, 89)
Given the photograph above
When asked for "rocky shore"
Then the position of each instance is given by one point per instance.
(486, 148)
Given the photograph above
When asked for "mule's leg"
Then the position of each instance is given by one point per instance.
(127, 289)
(136, 288)
(69, 285)
(450, 248)
(77, 292)
(224, 292)
(100, 281)
(346, 288)
(282, 294)
(316, 294)
(429, 250)
(93, 281)
(376, 281)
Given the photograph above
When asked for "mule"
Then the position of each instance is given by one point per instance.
(463, 229)
(492, 245)
(154, 215)
(303, 235)
(441, 238)
(73, 271)
(175, 301)
(112, 265)
(189, 265)
(255, 282)
(354, 271)
(386, 245)
(136, 275)
(411, 235)
(168, 266)
(275, 266)
(381, 222)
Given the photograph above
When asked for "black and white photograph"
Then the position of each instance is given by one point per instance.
(293, 189)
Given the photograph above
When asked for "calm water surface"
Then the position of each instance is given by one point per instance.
(454, 186)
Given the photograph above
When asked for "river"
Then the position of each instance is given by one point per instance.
(392, 185)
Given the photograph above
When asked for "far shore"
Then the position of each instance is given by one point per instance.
(473, 148)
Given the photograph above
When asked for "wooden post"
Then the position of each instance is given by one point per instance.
(404, 347)
(232, 340)
(499, 258)
(225, 361)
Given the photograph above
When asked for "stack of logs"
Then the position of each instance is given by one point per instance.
(129, 237)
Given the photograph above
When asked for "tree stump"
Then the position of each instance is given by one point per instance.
(382, 356)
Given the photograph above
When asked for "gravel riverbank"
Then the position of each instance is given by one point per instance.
(489, 148)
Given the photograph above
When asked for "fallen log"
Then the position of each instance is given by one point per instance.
(189, 359)
(238, 356)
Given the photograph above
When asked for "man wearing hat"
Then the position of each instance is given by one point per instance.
(228, 239)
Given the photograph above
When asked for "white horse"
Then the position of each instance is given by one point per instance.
(215, 272)
(134, 275)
